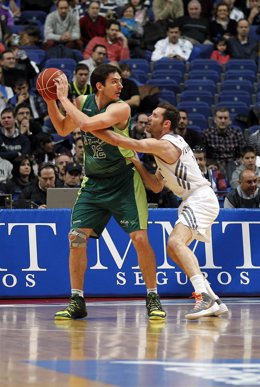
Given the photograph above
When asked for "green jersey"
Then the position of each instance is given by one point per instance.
(102, 159)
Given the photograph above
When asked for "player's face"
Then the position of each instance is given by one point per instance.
(113, 86)
(155, 123)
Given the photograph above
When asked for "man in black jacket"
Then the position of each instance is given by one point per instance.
(246, 195)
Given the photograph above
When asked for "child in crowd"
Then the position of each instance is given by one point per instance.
(220, 53)
(248, 161)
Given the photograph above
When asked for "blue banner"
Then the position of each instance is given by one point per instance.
(34, 256)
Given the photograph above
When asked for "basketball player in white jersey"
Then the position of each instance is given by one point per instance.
(179, 171)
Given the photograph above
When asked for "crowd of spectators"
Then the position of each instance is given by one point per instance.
(33, 157)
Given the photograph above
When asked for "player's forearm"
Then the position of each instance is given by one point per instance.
(150, 180)
(57, 119)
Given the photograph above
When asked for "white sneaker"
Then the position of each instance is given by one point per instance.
(222, 308)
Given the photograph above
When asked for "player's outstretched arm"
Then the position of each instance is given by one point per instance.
(152, 181)
(161, 148)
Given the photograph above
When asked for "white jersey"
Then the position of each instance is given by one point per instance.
(184, 176)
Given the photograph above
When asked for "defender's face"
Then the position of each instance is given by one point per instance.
(155, 123)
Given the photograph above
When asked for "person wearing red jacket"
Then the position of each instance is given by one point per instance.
(114, 41)
(92, 24)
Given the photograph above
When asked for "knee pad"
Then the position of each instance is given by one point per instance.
(77, 238)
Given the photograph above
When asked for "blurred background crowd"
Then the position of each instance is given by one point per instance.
(201, 56)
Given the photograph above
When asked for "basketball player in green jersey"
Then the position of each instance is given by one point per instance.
(111, 187)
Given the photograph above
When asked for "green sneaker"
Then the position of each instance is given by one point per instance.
(75, 309)
(154, 307)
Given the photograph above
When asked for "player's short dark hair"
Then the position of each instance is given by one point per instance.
(101, 73)
(170, 113)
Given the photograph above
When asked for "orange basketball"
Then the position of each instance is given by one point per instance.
(45, 83)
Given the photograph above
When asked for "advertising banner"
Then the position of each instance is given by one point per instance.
(34, 256)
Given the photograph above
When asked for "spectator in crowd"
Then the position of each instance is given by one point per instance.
(195, 27)
(22, 94)
(248, 161)
(130, 92)
(15, 8)
(79, 152)
(221, 26)
(220, 54)
(247, 194)
(6, 92)
(192, 137)
(141, 10)
(114, 41)
(26, 124)
(12, 142)
(173, 46)
(6, 15)
(5, 170)
(80, 85)
(36, 192)
(253, 12)
(75, 135)
(206, 7)
(72, 177)
(92, 24)
(223, 143)
(167, 9)
(98, 56)
(138, 130)
(44, 148)
(16, 66)
(23, 176)
(254, 141)
(62, 27)
(210, 172)
(242, 47)
(61, 160)
(108, 9)
(132, 30)
(78, 8)
(235, 13)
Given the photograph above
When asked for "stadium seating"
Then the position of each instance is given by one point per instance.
(169, 84)
(137, 64)
(169, 64)
(200, 85)
(205, 74)
(195, 107)
(241, 75)
(198, 96)
(238, 96)
(168, 95)
(33, 16)
(198, 120)
(205, 64)
(241, 64)
(237, 85)
(61, 63)
(168, 74)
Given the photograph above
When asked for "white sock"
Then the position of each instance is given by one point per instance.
(152, 290)
(209, 290)
(198, 283)
(78, 292)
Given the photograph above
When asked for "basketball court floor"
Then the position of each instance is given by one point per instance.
(116, 346)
